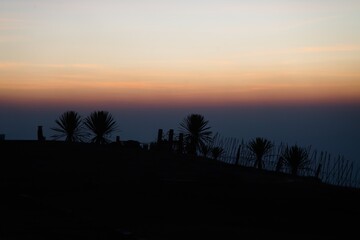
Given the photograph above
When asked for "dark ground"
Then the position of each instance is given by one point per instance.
(53, 190)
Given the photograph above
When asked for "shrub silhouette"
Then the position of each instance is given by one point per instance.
(101, 124)
(296, 158)
(259, 147)
(217, 152)
(205, 149)
(69, 126)
(196, 132)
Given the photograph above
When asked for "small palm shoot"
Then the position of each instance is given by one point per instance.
(196, 132)
(217, 152)
(296, 158)
(260, 147)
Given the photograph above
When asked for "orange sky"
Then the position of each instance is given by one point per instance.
(61, 84)
(179, 54)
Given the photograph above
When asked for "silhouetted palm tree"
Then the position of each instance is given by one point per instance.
(296, 158)
(260, 147)
(69, 126)
(196, 132)
(101, 124)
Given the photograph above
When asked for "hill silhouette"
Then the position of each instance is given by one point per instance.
(58, 190)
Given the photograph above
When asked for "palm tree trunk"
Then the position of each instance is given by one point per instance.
(258, 163)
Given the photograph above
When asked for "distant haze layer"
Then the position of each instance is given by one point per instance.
(334, 129)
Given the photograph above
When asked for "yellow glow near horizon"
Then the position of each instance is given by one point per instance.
(170, 53)
(80, 84)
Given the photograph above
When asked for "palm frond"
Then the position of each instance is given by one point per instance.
(69, 127)
(196, 132)
(101, 124)
(260, 147)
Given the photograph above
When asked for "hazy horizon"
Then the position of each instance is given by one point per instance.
(333, 129)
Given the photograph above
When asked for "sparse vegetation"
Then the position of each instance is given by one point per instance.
(259, 153)
(223, 180)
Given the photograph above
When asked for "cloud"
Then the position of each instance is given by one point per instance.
(13, 65)
(334, 48)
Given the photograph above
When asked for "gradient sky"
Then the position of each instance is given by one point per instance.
(189, 54)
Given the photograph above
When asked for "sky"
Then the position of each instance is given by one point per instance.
(288, 70)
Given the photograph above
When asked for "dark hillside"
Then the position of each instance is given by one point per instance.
(54, 190)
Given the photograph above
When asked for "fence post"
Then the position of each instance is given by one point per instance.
(181, 143)
(171, 138)
(238, 155)
(40, 135)
(318, 170)
(159, 138)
